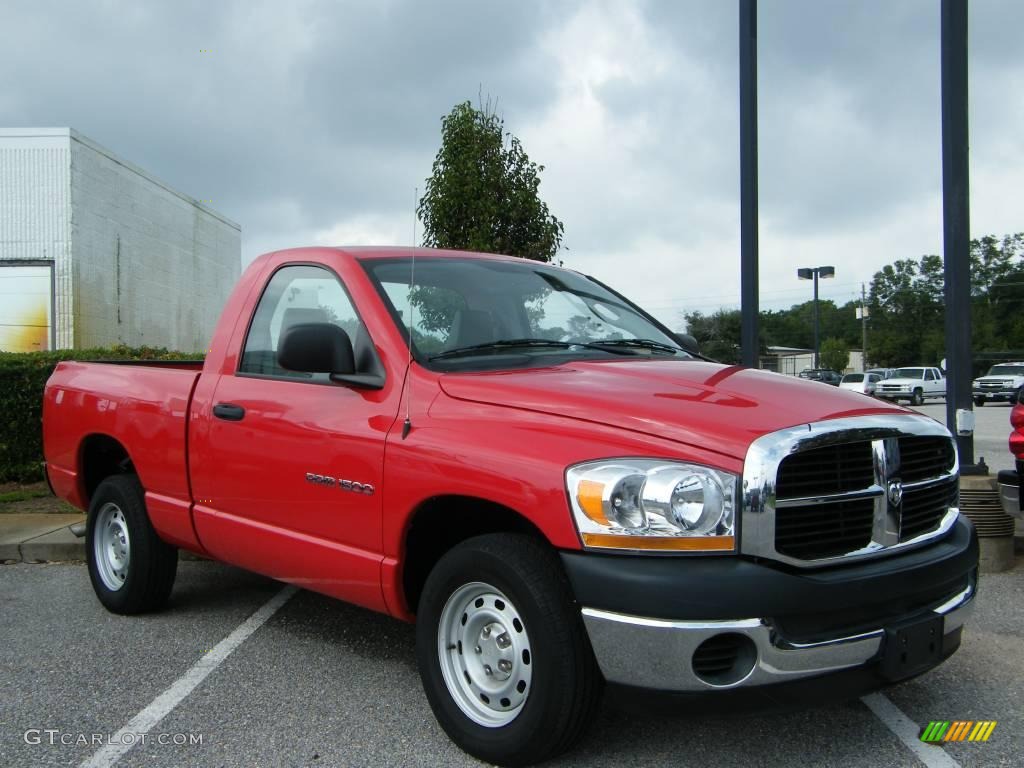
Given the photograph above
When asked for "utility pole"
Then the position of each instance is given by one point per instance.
(863, 327)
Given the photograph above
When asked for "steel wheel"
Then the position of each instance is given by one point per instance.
(484, 650)
(112, 546)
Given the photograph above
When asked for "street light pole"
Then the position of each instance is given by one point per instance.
(813, 273)
(817, 343)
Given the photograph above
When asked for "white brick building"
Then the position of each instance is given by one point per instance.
(95, 251)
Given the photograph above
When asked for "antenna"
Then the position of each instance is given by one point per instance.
(412, 287)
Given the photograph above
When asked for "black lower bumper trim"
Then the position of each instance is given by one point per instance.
(807, 604)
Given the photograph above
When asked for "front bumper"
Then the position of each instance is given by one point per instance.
(1009, 493)
(721, 623)
(997, 395)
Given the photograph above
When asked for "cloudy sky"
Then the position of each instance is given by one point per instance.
(312, 122)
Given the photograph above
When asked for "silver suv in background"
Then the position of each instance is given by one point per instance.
(1001, 384)
(865, 383)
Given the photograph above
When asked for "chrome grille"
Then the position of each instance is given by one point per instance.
(808, 533)
(848, 488)
(997, 384)
(826, 471)
(924, 508)
(924, 457)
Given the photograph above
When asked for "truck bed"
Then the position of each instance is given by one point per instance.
(141, 405)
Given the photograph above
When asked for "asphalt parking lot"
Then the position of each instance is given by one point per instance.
(322, 683)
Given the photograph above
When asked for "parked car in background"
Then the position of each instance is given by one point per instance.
(913, 384)
(884, 373)
(824, 375)
(864, 383)
(1002, 383)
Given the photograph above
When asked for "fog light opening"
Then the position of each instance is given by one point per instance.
(724, 659)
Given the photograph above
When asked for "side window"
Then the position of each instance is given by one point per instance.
(929, 375)
(294, 295)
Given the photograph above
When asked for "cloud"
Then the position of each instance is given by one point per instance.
(313, 121)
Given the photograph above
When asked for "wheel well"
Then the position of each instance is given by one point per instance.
(102, 456)
(444, 521)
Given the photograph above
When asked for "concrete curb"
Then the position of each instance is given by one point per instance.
(39, 537)
(57, 545)
(45, 538)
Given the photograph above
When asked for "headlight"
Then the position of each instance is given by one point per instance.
(653, 504)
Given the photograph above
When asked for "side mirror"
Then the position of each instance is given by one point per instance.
(316, 348)
(687, 342)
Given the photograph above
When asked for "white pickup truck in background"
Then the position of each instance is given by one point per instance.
(1001, 384)
(913, 384)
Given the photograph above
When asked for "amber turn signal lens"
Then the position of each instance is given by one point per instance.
(590, 495)
(661, 543)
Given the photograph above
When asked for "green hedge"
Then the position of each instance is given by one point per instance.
(22, 379)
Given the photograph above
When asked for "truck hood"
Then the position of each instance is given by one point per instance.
(717, 407)
(997, 377)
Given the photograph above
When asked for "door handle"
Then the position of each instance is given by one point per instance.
(229, 411)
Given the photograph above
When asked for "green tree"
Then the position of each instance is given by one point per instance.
(907, 314)
(835, 354)
(483, 192)
(718, 334)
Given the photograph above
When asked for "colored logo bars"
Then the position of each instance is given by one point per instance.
(958, 730)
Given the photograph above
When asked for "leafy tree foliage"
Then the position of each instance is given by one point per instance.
(718, 334)
(906, 304)
(483, 192)
(835, 354)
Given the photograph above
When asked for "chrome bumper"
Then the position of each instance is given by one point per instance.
(1009, 498)
(658, 654)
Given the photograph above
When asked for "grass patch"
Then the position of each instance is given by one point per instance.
(10, 497)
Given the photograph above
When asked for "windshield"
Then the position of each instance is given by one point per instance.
(909, 373)
(853, 377)
(1007, 370)
(472, 304)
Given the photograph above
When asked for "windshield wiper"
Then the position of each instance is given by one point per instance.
(503, 343)
(639, 343)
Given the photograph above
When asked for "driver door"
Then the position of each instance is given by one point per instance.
(292, 462)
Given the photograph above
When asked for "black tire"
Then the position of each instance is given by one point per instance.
(151, 565)
(566, 682)
(917, 398)
(979, 401)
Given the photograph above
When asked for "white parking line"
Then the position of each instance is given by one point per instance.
(907, 731)
(159, 708)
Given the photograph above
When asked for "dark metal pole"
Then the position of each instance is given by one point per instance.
(863, 329)
(956, 221)
(816, 347)
(749, 344)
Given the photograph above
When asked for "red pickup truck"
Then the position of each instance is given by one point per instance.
(560, 492)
